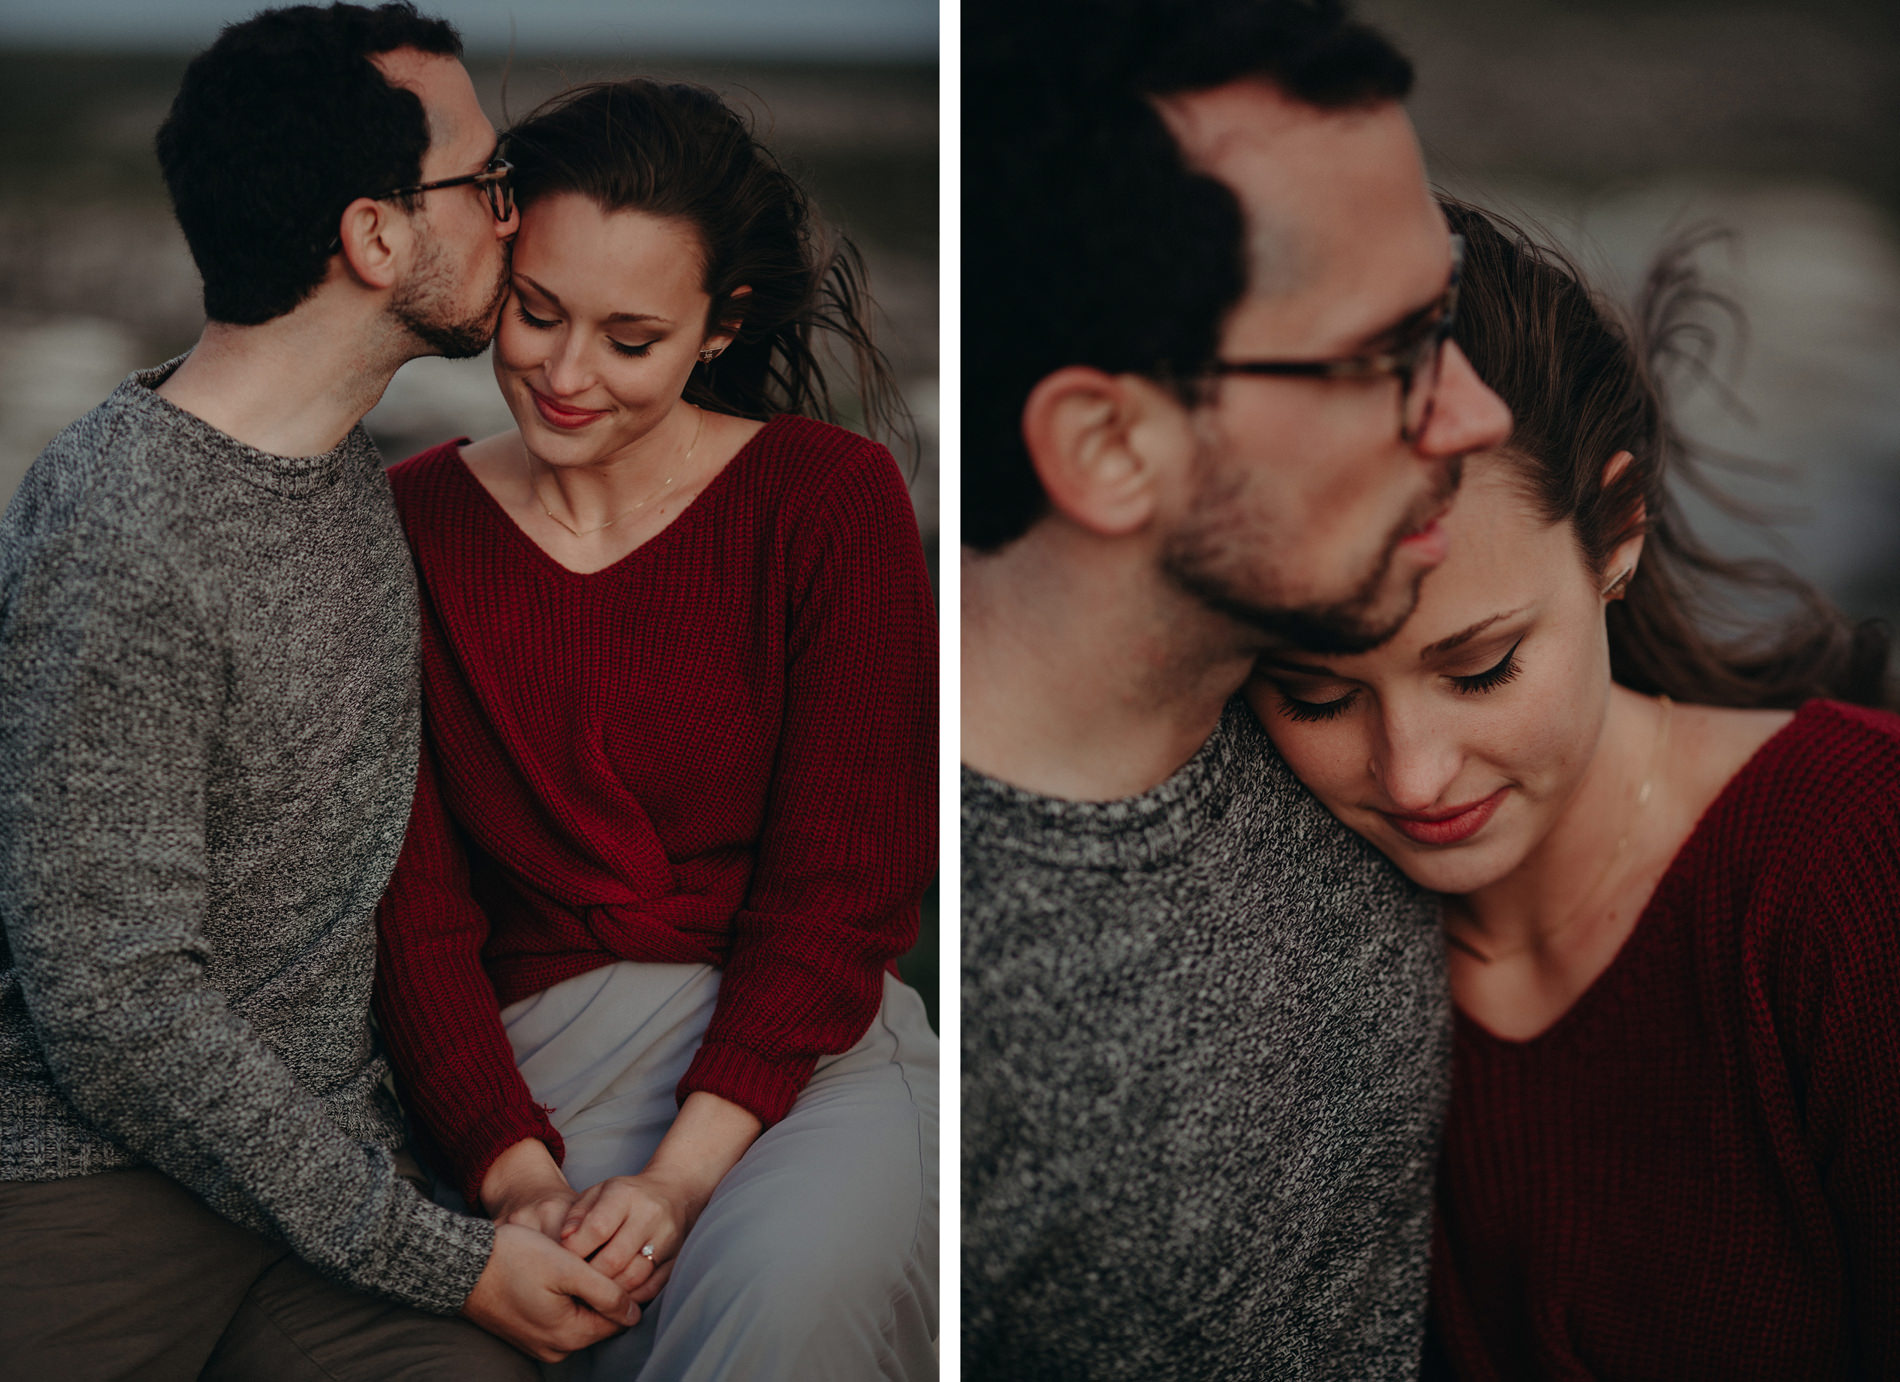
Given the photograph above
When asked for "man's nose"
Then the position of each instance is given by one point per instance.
(1467, 415)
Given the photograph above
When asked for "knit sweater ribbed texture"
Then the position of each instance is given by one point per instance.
(207, 744)
(1695, 1172)
(1205, 1056)
(719, 750)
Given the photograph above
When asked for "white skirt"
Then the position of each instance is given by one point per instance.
(817, 1255)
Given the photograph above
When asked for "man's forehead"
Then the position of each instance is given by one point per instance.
(1238, 119)
(1325, 192)
(448, 99)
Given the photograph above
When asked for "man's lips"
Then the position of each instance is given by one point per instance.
(1427, 541)
(558, 415)
(1449, 827)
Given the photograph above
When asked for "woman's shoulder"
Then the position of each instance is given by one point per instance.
(811, 458)
(816, 477)
(415, 477)
(1833, 752)
(1820, 794)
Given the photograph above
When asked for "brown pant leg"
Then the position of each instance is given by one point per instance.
(297, 1326)
(125, 1274)
(129, 1275)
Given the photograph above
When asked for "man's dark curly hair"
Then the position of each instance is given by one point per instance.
(278, 126)
(1086, 238)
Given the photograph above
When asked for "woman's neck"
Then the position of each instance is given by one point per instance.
(669, 459)
(1525, 947)
(588, 517)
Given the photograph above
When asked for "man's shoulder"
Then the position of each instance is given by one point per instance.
(1235, 796)
(99, 474)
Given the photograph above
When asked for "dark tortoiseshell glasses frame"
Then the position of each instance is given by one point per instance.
(493, 181)
(1416, 362)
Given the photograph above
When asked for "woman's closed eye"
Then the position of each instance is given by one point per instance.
(629, 350)
(1491, 678)
(1309, 711)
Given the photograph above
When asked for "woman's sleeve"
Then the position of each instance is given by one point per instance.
(1846, 1033)
(849, 840)
(437, 1007)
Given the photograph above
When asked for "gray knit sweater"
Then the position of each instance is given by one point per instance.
(1206, 1055)
(208, 720)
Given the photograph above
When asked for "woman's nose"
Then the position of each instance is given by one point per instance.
(1414, 762)
(566, 372)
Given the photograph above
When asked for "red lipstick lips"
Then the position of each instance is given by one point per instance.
(555, 415)
(1451, 827)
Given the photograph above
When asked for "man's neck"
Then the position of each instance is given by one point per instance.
(1084, 677)
(293, 386)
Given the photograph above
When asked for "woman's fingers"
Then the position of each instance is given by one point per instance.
(591, 1221)
(639, 1268)
(644, 1291)
(611, 1231)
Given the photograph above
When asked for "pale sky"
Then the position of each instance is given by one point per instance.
(811, 29)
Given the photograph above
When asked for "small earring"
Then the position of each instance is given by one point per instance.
(706, 357)
(1616, 588)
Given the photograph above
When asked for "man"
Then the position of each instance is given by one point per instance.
(208, 738)
(1205, 1028)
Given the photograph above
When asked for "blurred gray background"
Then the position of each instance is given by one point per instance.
(1611, 122)
(95, 279)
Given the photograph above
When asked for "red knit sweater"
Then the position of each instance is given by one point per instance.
(1695, 1173)
(719, 750)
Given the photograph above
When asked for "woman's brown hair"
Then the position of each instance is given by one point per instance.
(677, 151)
(1584, 383)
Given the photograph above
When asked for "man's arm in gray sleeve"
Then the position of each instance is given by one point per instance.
(109, 691)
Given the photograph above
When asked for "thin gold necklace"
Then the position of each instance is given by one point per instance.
(699, 427)
(1596, 884)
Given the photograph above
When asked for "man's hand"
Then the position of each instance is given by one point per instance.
(528, 1295)
(524, 1186)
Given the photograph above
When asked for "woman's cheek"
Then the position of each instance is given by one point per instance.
(513, 354)
(1321, 754)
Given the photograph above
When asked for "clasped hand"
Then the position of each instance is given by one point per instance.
(628, 1228)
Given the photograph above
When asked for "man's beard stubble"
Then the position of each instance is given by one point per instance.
(424, 305)
(1196, 560)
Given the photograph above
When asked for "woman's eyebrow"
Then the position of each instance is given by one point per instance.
(1463, 636)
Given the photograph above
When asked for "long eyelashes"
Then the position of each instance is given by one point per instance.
(632, 352)
(1308, 712)
(1490, 679)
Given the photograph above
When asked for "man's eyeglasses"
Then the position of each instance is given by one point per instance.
(1417, 360)
(493, 181)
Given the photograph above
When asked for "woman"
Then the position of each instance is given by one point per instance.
(1671, 878)
(677, 808)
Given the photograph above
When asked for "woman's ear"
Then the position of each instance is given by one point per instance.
(1620, 565)
(1102, 446)
(733, 319)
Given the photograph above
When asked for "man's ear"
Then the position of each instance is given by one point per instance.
(377, 239)
(1102, 445)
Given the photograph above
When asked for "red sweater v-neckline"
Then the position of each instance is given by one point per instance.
(1602, 989)
(707, 498)
(1696, 1173)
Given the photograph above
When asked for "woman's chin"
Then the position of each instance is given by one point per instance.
(1461, 868)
